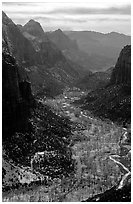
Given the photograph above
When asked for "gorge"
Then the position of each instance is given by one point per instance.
(66, 127)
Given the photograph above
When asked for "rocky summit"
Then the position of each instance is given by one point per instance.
(34, 28)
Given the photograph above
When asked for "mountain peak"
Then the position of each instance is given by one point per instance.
(59, 30)
(34, 28)
(62, 41)
(32, 21)
(5, 18)
(60, 33)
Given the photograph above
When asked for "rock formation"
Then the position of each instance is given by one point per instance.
(34, 28)
(17, 98)
(122, 70)
(71, 51)
(114, 100)
(45, 64)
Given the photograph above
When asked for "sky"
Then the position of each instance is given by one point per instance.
(96, 15)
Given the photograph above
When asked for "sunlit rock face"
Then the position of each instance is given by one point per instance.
(122, 71)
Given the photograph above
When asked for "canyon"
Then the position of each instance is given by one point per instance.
(66, 125)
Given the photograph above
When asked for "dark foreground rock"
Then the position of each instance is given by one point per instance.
(17, 98)
(113, 195)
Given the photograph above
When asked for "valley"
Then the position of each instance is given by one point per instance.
(66, 112)
(100, 152)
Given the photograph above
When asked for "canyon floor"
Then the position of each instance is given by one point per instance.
(100, 151)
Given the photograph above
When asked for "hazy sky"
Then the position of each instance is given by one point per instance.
(97, 15)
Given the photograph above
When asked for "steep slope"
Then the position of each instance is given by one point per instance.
(77, 60)
(71, 51)
(17, 99)
(61, 40)
(34, 28)
(27, 132)
(18, 46)
(102, 48)
(114, 100)
(29, 127)
(95, 81)
(43, 61)
(122, 71)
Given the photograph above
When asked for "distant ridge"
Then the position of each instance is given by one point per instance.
(103, 48)
(114, 100)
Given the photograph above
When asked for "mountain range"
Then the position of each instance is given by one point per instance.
(48, 69)
(102, 49)
(38, 66)
(54, 60)
(48, 62)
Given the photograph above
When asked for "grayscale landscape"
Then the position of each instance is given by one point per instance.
(66, 101)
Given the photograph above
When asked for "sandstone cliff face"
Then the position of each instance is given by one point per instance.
(122, 70)
(114, 100)
(17, 98)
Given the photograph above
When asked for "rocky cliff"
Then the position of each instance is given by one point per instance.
(114, 100)
(34, 28)
(30, 127)
(122, 70)
(120, 74)
(17, 98)
(18, 46)
(43, 61)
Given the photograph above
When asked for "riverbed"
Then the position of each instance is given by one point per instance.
(99, 149)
